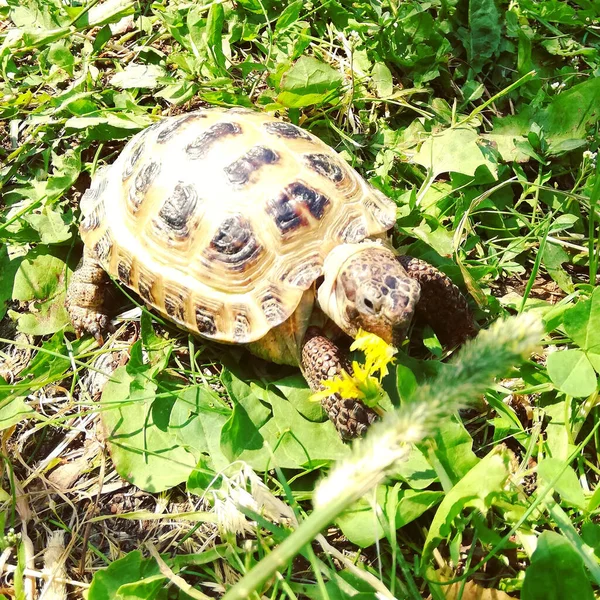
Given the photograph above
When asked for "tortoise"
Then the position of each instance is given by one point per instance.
(246, 229)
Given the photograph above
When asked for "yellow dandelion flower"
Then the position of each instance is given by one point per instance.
(362, 385)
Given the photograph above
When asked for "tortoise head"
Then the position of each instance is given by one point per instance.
(365, 287)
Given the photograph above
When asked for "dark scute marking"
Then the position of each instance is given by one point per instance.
(241, 328)
(124, 272)
(325, 165)
(103, 247)
(242, 169)
(304, 275)
(179, 207)
(93, 220)
(205, 321)
(174, 305)
(314, 201)
(377, 209)
(391, 282)
(234, 243)
(96, 188)
(288, 216)
(271, 306)
(143, 181)
(286, 130)
(202, 144)
(172, 126)
(288, 209)
(145, 284)
(355, 231)
(132, 161)
(91, 194)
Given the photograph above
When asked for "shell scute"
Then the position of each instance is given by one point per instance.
(200, 146)
(142, 182)
(242, 170)
(176, 212)
(234, 244)
(325, 165)
(286, 130)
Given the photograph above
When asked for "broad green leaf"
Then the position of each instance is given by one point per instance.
(455, 150)
(137, 76)
(241, 432)
(563, 479)
(308, 82)
(40, 280)
(594, 358)
(242, 393)
(553, 258)
(485, 32)
(51, 226)
(572, 373)
(416, 470)
(288, 16)
(301, 442)
(131, 568)
(510, 142)
(582, 322)
(363, 527)
(32, 14)
(8, 270)
(479, 488)
(143, 450)
(196, 419)
(106, 12)
(406, 382)
(590, 534)
(564, 123)
(556, 571)
(13, 408)
(382, 79)
(60, 55)
(65, 171)
(214, 35)
(557, 434)
(35, 37)
(453, 450)
(52, 359)
(296, 391)
(109, 126)
(102, 38)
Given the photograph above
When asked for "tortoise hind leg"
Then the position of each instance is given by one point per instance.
(86, 297)
(442, 305)
(322, 359)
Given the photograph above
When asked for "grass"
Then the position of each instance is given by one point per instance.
(172, 467)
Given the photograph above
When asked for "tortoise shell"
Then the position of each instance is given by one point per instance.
(221, 219)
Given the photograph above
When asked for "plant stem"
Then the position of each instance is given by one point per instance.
(303, 535)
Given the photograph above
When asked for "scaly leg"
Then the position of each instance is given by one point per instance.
(442, 305)
(86, 297)
(322, 359)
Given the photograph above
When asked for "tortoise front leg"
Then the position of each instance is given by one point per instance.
(321, 360)
(442, 305)
(86, 297)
